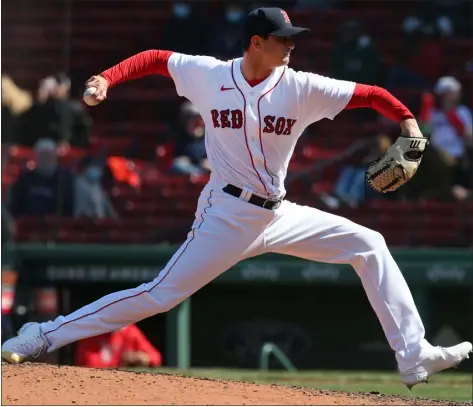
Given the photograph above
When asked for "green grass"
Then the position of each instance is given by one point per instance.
(443, 386)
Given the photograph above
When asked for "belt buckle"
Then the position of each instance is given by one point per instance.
(276, 204)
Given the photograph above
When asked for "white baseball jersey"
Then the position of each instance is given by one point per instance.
(251, 132)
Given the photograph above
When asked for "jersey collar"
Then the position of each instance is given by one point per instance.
(262, 87)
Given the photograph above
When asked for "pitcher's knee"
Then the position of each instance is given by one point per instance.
(161, 305)
(166, 306)
(163, 300)
(368, 251)
(370, 239)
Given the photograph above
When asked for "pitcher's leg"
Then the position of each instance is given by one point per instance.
(319, 236)
(212, 247)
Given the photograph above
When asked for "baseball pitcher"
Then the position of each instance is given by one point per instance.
(255, 108)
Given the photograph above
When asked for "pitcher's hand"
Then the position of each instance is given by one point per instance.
(101, 84)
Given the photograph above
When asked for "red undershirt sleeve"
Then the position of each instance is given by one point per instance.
(151, 62)
(380, 100)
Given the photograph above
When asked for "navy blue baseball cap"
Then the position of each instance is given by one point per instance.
(270, 21)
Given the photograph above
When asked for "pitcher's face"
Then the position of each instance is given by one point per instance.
(274, 51)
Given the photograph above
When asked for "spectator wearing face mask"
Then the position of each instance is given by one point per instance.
(226, 37)
(190, 152)
(47, 189)
(176, 30)
(92, 201)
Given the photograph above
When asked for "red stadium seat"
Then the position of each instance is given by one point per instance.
(440, 231)
(396, 231)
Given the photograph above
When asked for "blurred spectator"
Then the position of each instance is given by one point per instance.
(350, 187)
(452, 131)
(91, 200)
(183, 21)
(354, 56)
(190, 152)
(124, 347)
(48, 189)
(450, 121)
(226, 31)
(446, 170)
(428, 19)
(56, 116)
(458, 12)
(447, 18)
(15, 101)
(423, 31)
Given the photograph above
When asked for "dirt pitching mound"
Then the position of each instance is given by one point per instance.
(42, 384)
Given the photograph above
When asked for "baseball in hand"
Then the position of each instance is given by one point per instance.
(89, 96)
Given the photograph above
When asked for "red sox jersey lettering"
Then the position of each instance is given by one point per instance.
(227, 118)
(234, 119)
(279, 125)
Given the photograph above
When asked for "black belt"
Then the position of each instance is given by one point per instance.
(255, 199)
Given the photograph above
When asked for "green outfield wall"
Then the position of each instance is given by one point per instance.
(317, 313)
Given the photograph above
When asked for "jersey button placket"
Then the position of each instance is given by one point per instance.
(253, 131)
(252, 125)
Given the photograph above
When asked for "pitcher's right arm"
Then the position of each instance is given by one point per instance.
(187, 71)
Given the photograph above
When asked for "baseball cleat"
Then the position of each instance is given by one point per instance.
(439, 359)
(29, 344)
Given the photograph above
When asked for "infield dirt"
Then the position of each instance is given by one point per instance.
(43, 384)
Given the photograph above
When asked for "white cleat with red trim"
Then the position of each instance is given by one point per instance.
(29, 344)
(436, 360)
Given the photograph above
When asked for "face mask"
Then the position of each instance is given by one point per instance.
(234, 15)
(181, 10)
(93, 174)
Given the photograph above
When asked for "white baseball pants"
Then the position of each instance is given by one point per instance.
(228, 229)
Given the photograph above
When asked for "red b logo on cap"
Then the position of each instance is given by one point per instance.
(286, 17)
